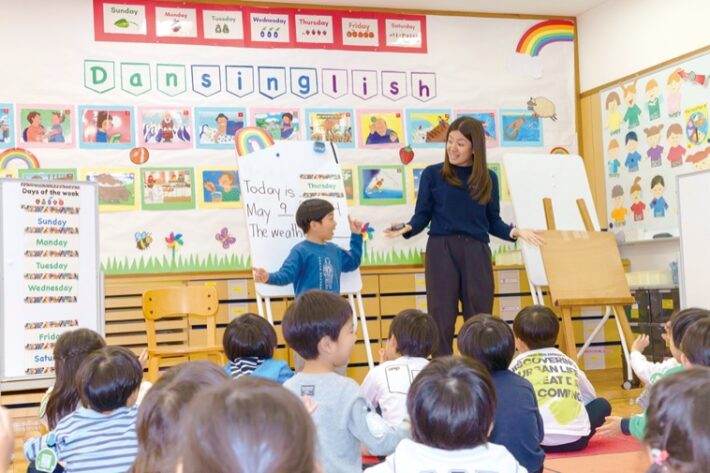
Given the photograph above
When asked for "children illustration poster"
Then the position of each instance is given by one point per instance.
(428, 128)
(7, 125)
(118, 188)
(106, 127)
(520, 128)
(382, 185)
(47, 174)
(167, 188)
(497, 168)
(165, 127)
(334, 125)
(349, 184)
(219, 188)
(45, 126)
(216, 127)
(414, 175)
(488, 119)
(655, 127)
(281, 124)
(380, 128)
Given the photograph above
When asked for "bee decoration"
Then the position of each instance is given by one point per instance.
(143, 240)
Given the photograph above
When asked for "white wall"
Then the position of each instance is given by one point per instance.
(621, 37)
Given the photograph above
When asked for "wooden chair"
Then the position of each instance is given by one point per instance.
(178, 304)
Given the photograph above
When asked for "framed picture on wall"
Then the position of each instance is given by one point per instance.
(382, 185)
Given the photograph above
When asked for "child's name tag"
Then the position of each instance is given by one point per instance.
(46, 460)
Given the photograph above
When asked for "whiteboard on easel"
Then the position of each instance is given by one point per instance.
(274, 181)
(533, 177)
(50, 281)
(693, 198)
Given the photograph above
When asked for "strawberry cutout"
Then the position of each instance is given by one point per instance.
(406, 154)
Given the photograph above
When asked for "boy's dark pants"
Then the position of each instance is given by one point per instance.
(458, 267)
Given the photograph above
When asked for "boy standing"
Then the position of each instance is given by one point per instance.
(569, 410)
(316, 263)
(319, 327)
(100, 435)
(413, 337)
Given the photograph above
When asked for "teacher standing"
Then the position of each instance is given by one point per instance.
(461, 199)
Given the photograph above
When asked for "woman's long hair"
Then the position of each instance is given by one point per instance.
(479, 184)
(69, 351)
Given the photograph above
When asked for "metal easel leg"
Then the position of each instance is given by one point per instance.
(596, 330)
(365, 334)
(628, 383)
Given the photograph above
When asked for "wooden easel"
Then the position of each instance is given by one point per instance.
(584, 270)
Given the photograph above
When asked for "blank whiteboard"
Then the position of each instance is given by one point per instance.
(693, 199)
(274, 181)
(50, 281)
(533, 177)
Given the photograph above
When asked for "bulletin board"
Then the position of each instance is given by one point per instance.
(655, 128)
(49, 276)
(145, 98)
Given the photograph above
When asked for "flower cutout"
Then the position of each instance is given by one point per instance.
(174, 240)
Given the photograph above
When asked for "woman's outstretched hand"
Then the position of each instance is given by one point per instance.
(534, 237)
(394, 231)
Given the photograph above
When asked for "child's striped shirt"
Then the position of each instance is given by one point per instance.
(87, 440)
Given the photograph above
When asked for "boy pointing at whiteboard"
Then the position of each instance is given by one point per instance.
(316, 263)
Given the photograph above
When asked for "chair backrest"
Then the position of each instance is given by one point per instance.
(197, 300)
(180, 303)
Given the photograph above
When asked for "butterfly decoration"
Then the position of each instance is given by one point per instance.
(368, 232)
(174, 240)
(225, 238)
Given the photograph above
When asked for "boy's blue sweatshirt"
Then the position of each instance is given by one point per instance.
(312, 265)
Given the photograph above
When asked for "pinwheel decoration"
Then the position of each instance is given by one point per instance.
(174, 241)
(368, 233)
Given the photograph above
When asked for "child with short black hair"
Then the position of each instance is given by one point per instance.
(249, 342)
(247, 425)
(518, 425)
(696, 344)
(158, 423)
(413, 336)
(680, 324)
(678, 432)
(316, 263)
(570, 410)
(319, 327)
(70, 349)
(100, 435)
(451, 405)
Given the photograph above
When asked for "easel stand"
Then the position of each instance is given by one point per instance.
(264, 307)
(584, 270)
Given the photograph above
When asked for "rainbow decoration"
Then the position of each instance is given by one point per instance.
(559, 150)
(544, 33)
(250, 139)
(20, 154)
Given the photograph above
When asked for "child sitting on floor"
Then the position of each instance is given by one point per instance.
(249, 342)
(413, 336)
(680, 324)
(159, 415)
(100, 435)
(319, 327)
(451, 405)
(247, 425)
(570, 410)
(678, 432)
(518, 425)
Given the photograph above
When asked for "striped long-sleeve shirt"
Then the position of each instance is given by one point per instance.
(87, 440)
